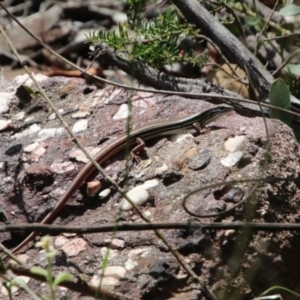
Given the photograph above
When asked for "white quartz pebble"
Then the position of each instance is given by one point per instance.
(138, 194)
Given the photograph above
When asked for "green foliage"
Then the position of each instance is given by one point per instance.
(39, 271)
(19, 282)
(134, 10)
(294, 84)
(61, 277)
(52, 280)
(293, 68)
(280, 96)
(290, 10)
(280, 288)
(254, 21)
(45, 243)
(156, 42)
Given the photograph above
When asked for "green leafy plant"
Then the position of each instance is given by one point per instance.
(280, 96)
(50, 253)
(156, 42)
(290, 10)
(274, 288)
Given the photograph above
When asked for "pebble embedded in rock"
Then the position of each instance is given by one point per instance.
(160, 170)
(235, 195)
(80, 125)
(13, 149)
(5, 124)
(115, 243)
(61, 168)
(8, 179)
(138, 194)
(31, 129)
(232, 159)
(79, 156)
(5, 99)
(80, 114)
(53, 115)
(103, 194)
(19, 116)
(74, 247)
(233, 144)
(200, 160)
(122, 113)
(60, 241)
(130, 264)
(51, 132)
(112, 276)
(93, 188)
(30, 147)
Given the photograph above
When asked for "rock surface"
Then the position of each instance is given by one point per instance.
(31, 185)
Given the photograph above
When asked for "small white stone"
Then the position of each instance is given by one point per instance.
(103, 194)
(130, 264)
(5, 99)
(150, 183)
(113, 274)
(4, 124)
(30, 147)
(80, 125)
(28, 120)
(119, 17)
(141, 252)
(53, 116)
(21, 79)
(112, 253)
(138, 194)
(147, 213)
(61, 168)
(74, 247)
(23, 258)
(19, 116)
(38, 77)
(39, 151)
(229, 232)
(122, 113)
(115, 243)
(233, 144)
(161, 170)
(60, 241)
(80, 114)
(232, 159)
(69, 234)
(79, 156)
(51, 132)
(32, 129)
(7, 179)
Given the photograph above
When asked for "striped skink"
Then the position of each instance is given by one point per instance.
(147, 132)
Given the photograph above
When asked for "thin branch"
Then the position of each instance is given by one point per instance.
(80, 286)
(55, 229)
